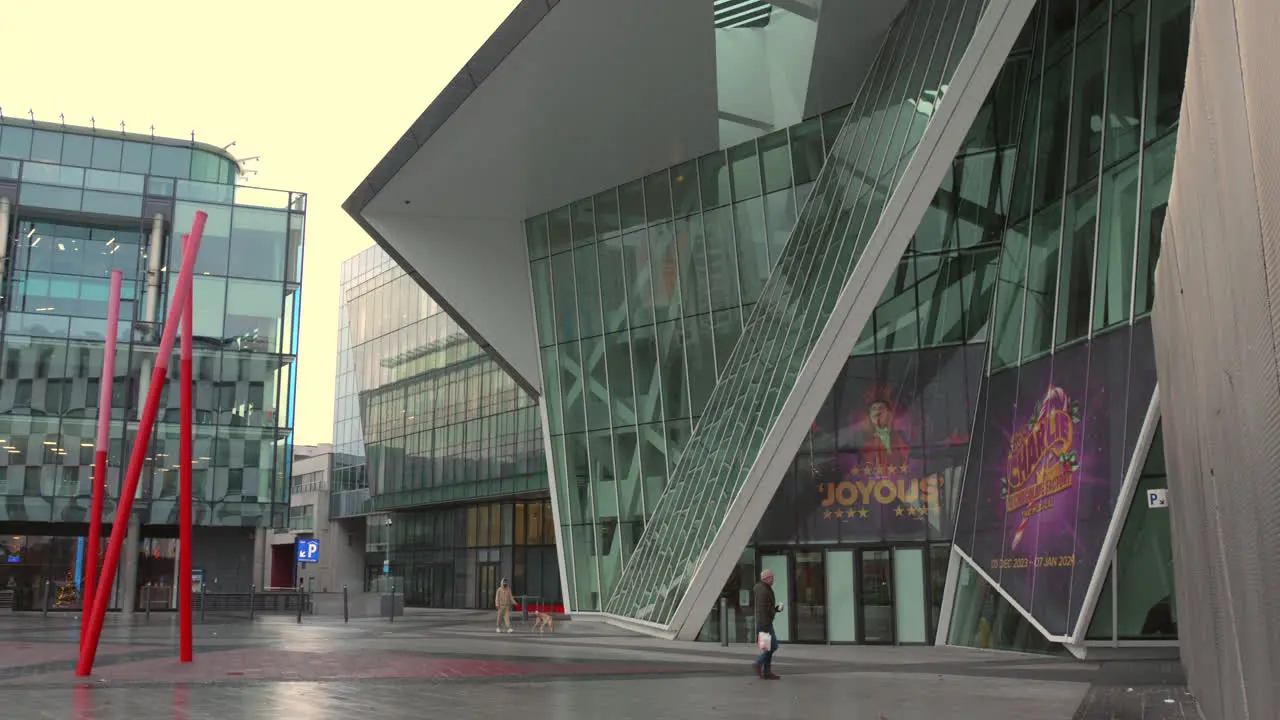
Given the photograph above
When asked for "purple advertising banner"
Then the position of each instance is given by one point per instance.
(1043, 479)
(885, 457)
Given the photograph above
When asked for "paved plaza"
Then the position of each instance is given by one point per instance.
(452, 664)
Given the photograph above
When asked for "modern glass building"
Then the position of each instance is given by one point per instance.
(438, 448)
(887, 333)
(76, 204)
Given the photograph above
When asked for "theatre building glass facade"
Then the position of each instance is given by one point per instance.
(983, 426)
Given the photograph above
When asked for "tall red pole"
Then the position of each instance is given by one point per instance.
(138, 457)
(185, 500)
(99, 480)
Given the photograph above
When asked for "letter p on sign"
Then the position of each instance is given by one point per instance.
(1158, 498)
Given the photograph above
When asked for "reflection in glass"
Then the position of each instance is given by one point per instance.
(1146, 608)
(258, 243)
(1116, 237)
(559, 230)
(1042, 282)
(1075, 293)
(588, 291)
(875, 596)
(983, 619)
(1170, 32)
(810, 597)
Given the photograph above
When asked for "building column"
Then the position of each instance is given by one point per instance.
(129, 567)
(260, 549)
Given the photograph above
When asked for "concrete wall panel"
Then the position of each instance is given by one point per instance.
(1216, 324)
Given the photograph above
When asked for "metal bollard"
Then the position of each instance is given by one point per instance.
(346, 613)
(204, 601)
(253, 595)
(299, 603)
(392, 610)
(44, 611)
(724, 621)
(146, 598)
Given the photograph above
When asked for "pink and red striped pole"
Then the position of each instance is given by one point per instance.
(99, 480)
(138, 457)
(185, 500)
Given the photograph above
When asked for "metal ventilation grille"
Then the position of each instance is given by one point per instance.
(742, 13)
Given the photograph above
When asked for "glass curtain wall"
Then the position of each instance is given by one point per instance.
(870, 155)
(111, 151)
(423, 415)
(455, 556)
(350, 495)
(1093, 179)
(1089, 192)
(80, 216)
(885, 455)
(640, 295)
(465, 432)
(666, 269)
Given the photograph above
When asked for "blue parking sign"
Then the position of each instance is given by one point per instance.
(308, 550)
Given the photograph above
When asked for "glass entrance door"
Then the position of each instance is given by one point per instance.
(487, 584)
(441, 587)
(875, 596)
(810, 598)
(417, 590)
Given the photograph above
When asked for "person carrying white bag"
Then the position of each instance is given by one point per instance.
(766, 609)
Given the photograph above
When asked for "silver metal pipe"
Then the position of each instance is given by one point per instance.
(155, 261)
(4, 228)
(151, 307)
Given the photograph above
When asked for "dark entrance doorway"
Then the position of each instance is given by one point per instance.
(486, 585)
(875, 596)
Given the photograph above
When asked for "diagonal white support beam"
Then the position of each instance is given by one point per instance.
(926, 164)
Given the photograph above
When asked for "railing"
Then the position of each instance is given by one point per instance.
(350, 503)
(282, 601)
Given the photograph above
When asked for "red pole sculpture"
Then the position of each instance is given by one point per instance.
(99, 479)
(129, 488)
(185, 500)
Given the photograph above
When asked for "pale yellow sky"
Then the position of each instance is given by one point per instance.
(319, 90)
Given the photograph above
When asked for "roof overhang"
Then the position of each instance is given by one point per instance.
(567, 98)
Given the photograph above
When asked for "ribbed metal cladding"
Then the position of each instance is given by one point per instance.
(1216, 324)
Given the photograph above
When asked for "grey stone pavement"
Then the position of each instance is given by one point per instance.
(451, 664)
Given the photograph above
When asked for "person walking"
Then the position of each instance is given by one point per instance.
(767, 608)
(503, 600)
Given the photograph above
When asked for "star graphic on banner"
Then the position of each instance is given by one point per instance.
(826, 514)
(855, 471)
(903, 468)
(898, 511)
(864, 513)
(866, 469)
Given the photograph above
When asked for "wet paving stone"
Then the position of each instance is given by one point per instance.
(452, 664)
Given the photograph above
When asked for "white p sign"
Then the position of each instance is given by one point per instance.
(1158, 498)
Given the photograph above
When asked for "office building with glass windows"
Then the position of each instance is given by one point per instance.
(438, 451)
(858, 292)
(75, 205)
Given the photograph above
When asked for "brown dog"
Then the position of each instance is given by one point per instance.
(543, 622)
